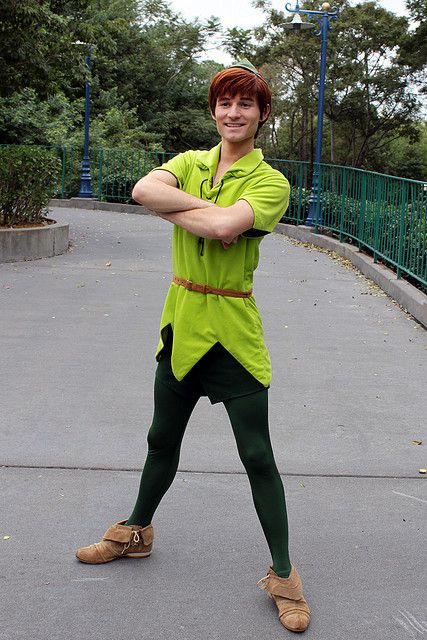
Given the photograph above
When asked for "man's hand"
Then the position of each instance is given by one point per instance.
(227, 245)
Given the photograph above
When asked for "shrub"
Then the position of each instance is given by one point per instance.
(298, 206)
(28, 176)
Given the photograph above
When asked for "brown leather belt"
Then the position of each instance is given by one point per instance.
(205, 288)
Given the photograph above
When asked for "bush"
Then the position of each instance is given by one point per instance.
(298, 206)
(28, 177)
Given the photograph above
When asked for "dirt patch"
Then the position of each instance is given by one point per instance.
(28, 225)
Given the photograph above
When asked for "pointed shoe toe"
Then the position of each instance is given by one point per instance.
(296, 620)
(294, 612)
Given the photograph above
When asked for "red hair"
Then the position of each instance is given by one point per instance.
(235, 80)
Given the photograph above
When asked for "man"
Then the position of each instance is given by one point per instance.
(221, 202)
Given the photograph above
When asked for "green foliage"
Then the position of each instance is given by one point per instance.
(27, 181)
(239, 43)
(298, 205)
(26, 119)
(149, 83)
(36, 48)
(406, 156)
(369, 93)
(413, 51)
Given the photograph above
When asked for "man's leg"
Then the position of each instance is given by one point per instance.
(172, 412)
(134, 537)
(249, 419)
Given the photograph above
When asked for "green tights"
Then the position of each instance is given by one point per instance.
(249, 420)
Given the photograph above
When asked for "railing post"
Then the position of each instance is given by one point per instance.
(362, 214)
(64, 168)
(343, 201)
(72, 169)
(101, 176)
(377, 220)
(301, 168)
(403, 209)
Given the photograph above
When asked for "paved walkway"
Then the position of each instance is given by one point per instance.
(348, 399)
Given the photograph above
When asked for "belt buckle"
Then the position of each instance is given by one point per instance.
(189, 285)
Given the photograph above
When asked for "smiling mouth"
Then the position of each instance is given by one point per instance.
(233, 125)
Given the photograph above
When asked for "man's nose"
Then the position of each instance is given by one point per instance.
(234, 111)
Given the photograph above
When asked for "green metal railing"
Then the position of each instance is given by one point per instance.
(385, 215)
(298, 174)
(115, 171)
(381, 213)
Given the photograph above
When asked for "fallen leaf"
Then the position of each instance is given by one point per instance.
(416, 441)
(6, 537)
(422, 470)
(108, 264)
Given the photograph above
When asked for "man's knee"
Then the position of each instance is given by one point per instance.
(258, 460)
(160, 439)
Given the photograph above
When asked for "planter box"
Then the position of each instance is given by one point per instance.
(33, 242)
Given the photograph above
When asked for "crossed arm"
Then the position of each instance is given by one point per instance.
(158, 191)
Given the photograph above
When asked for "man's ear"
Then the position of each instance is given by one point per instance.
(265, 114)
(213, 116)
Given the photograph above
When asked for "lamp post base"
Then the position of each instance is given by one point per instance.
(85, 180)
(315, 213)
(315, 217)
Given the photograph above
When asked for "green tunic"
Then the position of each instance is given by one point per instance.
(201, 320)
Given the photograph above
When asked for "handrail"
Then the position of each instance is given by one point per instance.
(385, 215)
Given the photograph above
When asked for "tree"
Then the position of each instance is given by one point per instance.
(146, 77)
(369, 96)
(413, 50)
(36, 48)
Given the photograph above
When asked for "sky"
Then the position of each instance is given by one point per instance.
(241, 13)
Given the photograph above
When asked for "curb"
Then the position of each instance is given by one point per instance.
(409, 297)
(32, 243)
(98, 205)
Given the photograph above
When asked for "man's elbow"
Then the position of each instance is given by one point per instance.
(139, 191)
(225, 232)
(226, 229)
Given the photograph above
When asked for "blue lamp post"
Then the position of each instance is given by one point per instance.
(324, 18)
(85, 179)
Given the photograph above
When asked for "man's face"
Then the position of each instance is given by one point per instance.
(237, 118)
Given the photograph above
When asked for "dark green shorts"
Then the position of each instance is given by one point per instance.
(217, 375)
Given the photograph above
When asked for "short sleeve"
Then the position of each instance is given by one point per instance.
(269, 199)
(179, 166)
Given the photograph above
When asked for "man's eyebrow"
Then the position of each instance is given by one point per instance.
(227, 97)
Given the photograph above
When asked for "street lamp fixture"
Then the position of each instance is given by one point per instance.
(297, 24)
(324, 18)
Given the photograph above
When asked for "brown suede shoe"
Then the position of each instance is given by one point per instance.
(294, 612)
(119, 541)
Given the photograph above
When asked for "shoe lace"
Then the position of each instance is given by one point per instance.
(262, 584)
(135, 539)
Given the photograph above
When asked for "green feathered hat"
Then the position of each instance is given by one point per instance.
(245, 64)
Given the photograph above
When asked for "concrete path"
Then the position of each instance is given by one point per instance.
(347, 401)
